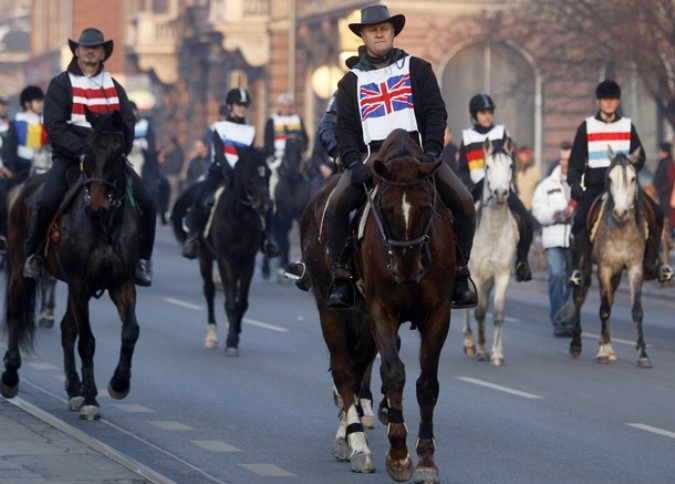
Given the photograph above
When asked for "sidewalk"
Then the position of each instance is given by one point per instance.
(36, 447)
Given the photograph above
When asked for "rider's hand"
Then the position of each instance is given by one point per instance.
(577, 192)
(5, 173)
(360, 174)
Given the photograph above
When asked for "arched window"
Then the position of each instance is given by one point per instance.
(503, 72)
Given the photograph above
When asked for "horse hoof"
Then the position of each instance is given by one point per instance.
(497, 362)
(121, 392)
(90, 412)
(575, 351)
(483, 356)
(426, 475)
(75, 403)
(362, 463)
(211, 342)
(231, 351)
(603, 360)
(644, 362)
(8, 391)
(470, 351)
(341, 450)
(400, 471)
(611, 357)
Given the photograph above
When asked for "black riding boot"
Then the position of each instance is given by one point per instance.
(341, 293)
(268, 246)
(581, 258)
(464, 295)
(654, 268)
(523, 272)
(34, 244)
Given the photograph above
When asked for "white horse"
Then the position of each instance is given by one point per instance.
(494, 250)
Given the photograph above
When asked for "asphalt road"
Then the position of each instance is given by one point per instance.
(196, 415)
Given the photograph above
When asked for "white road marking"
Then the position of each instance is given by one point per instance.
(260, 324)
(169, 425)
(267, 470)
(654, 430)
(183, 304)
(42, 366)
(614, 340)
(498, 387)
(252, 322)
(215, 445)
(133, 408)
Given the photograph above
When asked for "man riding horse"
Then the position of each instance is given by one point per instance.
(362, 126)
(84, 87)
(589, 159)
(227, 135)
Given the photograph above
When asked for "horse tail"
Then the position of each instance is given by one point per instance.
(21, 292)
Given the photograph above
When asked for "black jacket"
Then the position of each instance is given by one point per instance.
(430, 110)
(66, 139)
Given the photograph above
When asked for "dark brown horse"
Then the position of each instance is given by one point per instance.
(405, 265)
(93, 248)
(232, 241)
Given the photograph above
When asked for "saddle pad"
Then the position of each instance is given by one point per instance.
(212, 212)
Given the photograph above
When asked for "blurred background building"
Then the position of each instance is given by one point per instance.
(178, 58)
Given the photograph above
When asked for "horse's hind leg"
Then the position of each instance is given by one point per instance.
(469, 347)
(209, 290)
(481, 313)
(497, 355)
(579, 296)
(47, 288)
(125, 300)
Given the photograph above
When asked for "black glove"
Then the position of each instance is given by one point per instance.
(430, 157)
(360, 174)
(577, 192)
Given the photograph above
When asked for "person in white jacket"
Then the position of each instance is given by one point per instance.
(552, 206)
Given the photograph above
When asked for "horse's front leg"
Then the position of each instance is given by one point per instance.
(608, 284)
(236, 283)
(209, 290)
(578, 296)
(73, 384)
(480, 314)
(47, 288)
(635, 279)
(392, 372)
(434, 331)
(501, 286)
(78, 303)
(125, 300)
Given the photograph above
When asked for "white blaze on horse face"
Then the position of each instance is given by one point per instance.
(498, 175)
(623, 189)
(405, 209)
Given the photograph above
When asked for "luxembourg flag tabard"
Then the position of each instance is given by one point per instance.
(385, 100)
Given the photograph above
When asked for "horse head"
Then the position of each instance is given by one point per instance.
(498, 171)
(292, 163)
(103, 167)
(622, 184)
(404, 206)
(251, 180)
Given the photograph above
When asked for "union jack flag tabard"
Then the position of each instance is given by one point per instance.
(380, 99)
(386, 101)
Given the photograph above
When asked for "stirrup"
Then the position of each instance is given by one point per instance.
(576, 279)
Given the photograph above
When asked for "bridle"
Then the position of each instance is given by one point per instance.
(421, 242)
(498, 150)
(113, 196)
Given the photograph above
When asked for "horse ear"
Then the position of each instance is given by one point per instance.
(380, 168)
(488, 147)
(635, 155)
(508, 146)
(610, 152)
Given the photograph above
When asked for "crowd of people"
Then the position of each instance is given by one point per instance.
(49, 132)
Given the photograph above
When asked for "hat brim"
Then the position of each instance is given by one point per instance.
(397, 20)
(107, 47)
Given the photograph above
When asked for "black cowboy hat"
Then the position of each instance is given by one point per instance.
(91, 38)
(376, 14)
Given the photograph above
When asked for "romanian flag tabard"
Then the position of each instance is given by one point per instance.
(30, 135)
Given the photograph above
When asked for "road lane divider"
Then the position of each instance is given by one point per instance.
(500, 388)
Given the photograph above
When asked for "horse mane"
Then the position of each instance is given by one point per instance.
(100, 123)
(250, 160)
